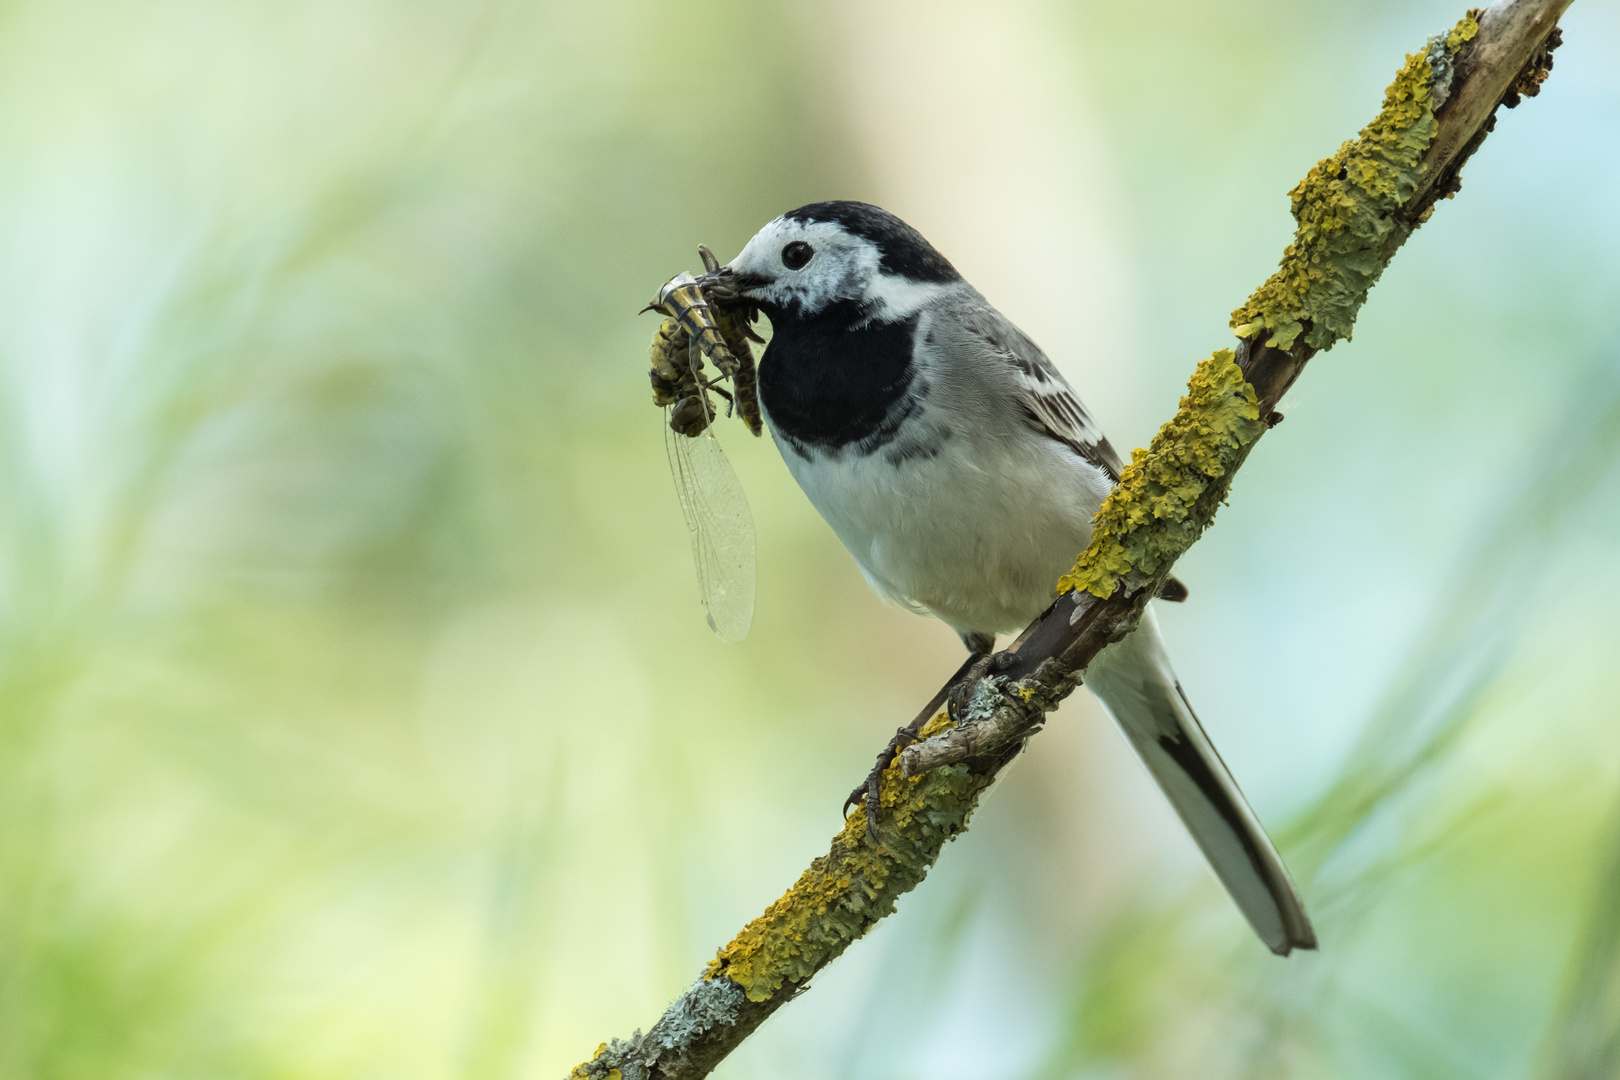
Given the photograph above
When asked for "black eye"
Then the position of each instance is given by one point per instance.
(796, 254)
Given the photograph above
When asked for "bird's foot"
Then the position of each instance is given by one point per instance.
(956, 701)
(867, 791)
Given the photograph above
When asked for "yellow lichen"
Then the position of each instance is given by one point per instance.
(1348, 212)
(1347, 209)
(1464, 30)
(1163, 499)
(581, 1071)
(856, 883)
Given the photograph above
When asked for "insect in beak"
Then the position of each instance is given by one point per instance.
(720, 283)
(725, 285)
(711, 498)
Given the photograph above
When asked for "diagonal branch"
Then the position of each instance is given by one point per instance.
(1354, 211)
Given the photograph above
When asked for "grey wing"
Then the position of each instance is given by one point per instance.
(1048, 403)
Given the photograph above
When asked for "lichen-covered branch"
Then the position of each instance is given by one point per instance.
(1154, 514)
(1354, 210)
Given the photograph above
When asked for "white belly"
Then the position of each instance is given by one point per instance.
(977, 535)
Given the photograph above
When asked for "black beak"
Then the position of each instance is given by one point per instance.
(725, 284)
(719, 283)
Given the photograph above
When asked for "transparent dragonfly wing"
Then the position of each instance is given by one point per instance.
(722, 530)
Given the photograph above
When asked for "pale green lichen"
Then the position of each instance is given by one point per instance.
(1348, 208)
(856, 883)
(1155, 512)
(664, 1050)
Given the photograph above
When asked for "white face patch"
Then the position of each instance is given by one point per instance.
(845, 267)
(893, 297)
(839, 270)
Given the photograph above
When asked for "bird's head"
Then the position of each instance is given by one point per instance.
(846, 256)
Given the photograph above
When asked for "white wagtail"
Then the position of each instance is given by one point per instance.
(962, 472)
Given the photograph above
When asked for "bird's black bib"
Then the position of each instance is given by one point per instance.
(828, 386)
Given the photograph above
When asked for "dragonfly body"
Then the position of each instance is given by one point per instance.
(711, 497)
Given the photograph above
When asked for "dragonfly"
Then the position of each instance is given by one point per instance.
(718, 520)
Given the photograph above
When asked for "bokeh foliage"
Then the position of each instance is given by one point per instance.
(356, 714)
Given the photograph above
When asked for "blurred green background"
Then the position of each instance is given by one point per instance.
(357, 715)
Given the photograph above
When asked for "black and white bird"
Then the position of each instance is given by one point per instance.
(962, 473)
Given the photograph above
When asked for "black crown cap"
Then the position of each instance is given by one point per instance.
(902, 250)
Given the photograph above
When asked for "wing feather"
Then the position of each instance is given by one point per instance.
(1050, 405)
(1048, 402)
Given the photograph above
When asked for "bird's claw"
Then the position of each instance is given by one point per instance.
(956, 702)
(869, 789)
